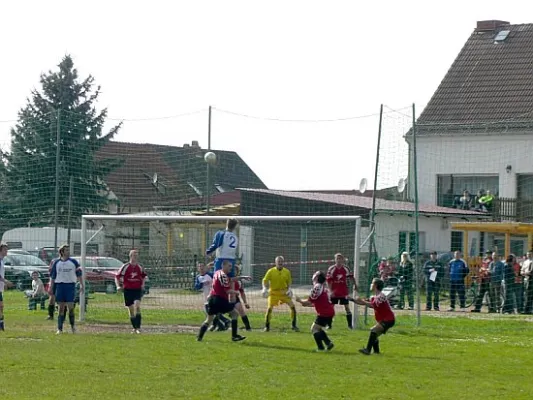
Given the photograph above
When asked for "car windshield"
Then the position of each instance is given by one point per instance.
(24, 260)
(109, 263)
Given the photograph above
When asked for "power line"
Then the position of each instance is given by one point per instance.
(301, 120)
(157, 118)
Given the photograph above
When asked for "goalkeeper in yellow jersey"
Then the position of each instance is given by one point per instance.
(277, 287)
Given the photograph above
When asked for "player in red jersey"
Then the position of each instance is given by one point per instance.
(130, 278)
(382, 313)
(218, 302)
(325, 310)
(338, 277)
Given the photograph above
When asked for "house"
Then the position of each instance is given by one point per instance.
(155, 177)
(306, 244)
(476, 132)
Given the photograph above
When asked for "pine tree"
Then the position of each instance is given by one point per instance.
(66, 103)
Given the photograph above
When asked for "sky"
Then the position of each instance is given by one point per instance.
(295, 86)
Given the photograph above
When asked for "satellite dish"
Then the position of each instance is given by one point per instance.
(154, 178)
(362, 185)
(401, 185)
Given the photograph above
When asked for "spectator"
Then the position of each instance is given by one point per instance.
(526, 271)
(386, 270)
(483, 278)
(458, 271)
(37, 294)
(466, 202)
(509, 279)
(405, 271)
(485, 202)
(434, 271)
(496, 278)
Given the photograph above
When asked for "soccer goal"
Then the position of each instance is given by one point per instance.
(171, 246)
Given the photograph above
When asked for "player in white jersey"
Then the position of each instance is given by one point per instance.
(63, 276)
(225, 246)
(3, 283)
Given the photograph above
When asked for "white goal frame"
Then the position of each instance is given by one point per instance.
(208, 218)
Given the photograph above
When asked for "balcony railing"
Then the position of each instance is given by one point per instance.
(503, 208)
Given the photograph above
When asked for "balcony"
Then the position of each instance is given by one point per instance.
(504, 209)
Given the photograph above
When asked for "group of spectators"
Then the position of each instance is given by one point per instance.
(503, 285)
(483, 201)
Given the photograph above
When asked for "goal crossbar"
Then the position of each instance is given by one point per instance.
(208, 218)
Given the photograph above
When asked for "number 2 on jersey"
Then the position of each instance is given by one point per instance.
(232, 241)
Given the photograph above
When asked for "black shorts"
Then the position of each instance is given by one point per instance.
(131, 295)
(387, 325)
(218, 305)
(323, 321)
(339, 300)
(1, 296)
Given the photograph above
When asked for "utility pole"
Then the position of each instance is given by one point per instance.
(208, 183)
(58, 157)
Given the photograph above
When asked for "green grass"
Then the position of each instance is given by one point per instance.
(446, 358)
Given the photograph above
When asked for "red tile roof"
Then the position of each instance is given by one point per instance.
(490, 81)
(366, 202)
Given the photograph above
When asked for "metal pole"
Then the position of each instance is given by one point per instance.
(58, 155)
(208, 182)
(415, 182)
(371, 244)
(82, 262)
(356, 261)
(70, 185)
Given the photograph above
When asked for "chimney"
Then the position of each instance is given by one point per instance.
(490, 25)
(195, 144)
(186, 145)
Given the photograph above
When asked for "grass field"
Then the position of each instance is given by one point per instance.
(451, 356)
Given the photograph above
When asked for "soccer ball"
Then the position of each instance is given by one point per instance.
(210, 157)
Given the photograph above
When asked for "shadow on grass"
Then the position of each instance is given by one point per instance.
(279, 347)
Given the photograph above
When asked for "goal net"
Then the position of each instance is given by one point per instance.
(171, 247)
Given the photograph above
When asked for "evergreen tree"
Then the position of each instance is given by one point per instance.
(66, 103)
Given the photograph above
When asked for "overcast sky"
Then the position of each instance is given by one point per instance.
(286, 60)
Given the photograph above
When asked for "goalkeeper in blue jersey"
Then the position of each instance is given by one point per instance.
(225, 246)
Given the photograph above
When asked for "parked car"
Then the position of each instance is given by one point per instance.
(19, 267)
(101, 272)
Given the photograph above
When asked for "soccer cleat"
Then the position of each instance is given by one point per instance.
(295, 329)
(137, 331)
(319, 350)
(212, 328)
(49, 318)
(59, 332)
(266, 329)
(198, 339)
(73, 329)
(238, 338)
(330, 346)
(364, 351)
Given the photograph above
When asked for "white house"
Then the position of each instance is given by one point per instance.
(477, 130)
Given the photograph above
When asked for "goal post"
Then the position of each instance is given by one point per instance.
(261, 236)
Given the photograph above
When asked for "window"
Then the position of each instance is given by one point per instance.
(407, 242)
(524, 187)
(502, 35)
(456, 241)
(450, 186)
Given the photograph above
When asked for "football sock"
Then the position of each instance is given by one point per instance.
(233, 327)
(216, 321)
(60, 319)
(325, 337)
(371, 339)
(65, 314)
(376, 346)
(51, 309)
(2, 323)
(138, 319)
(268, 317)
(71, 318)
(349, 319)
(318, 339)
(246, 322)
(133, 322)
(203, 329)
(293, 316)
